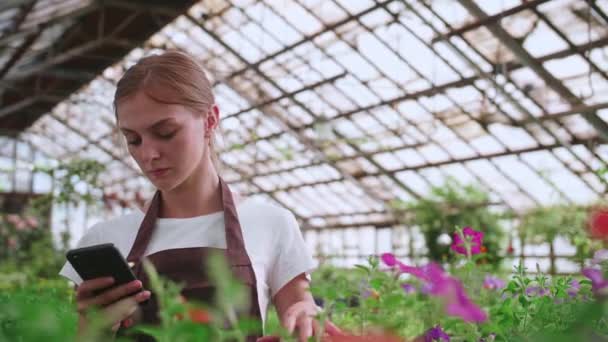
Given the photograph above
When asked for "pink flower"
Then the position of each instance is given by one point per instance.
(389, 259)
(13, 219)
(450, 288)
(31, 221)
(11, 243)
(438, 283)
(458, 244)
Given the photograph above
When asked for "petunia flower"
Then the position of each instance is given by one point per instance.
(599, 257)
(389, 259)
(436, 334)
(408, 288)
(537, 291)
(493, 283)
(438, 283)
(599, 285)
(574, 287)
(476, 240)
(451, 290)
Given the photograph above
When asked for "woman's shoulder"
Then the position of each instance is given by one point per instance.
(120, 223)
(264, 209)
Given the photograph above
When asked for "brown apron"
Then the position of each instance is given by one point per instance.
(187, 265)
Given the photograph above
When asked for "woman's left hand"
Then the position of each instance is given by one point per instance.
(300, 318)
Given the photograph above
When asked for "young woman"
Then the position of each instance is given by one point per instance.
(166, 111)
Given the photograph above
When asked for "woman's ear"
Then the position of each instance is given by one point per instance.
(212, 121)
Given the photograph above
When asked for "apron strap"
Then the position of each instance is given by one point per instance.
(235, 245)
(144, 234)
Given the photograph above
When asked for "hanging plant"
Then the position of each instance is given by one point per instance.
(454, 205)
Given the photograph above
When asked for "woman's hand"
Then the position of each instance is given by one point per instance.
(116, 304)
(297, 310)
(300, 317)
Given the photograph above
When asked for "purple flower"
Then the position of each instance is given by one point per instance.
(575, 286)
(599, 285)
(493, 283)
(436, 334)
(458, 244)
(599, 257)
(537, 291)
(408, 288)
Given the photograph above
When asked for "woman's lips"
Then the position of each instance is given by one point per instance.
(157, 173)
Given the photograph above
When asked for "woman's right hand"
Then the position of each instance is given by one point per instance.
(116, 304)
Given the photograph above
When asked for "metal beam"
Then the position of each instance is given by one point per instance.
(64, 56)
(10, 4)
(309, 38)
(5, 39)
(90, 141)
(505, 153)
(582, 110)
(169, 11)
(19, 53)
(522, 54)
(496, 155)
(303, 139)
(288, 95)
(468, 81)
(510, 98)
(489, 19)
(60, 58)
(8, 110)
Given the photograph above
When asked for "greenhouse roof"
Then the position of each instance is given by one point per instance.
(335, 108)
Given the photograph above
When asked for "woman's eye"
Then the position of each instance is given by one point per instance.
(133, 141)
(166, 135)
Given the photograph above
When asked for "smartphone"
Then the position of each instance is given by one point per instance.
(103, 260)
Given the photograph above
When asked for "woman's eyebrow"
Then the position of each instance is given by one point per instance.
(151, 127)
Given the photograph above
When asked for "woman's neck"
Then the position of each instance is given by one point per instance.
(198, 195)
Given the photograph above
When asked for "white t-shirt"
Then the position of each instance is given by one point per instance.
(271, 234)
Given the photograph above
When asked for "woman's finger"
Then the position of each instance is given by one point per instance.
(86, 288)
(110, 296)
(123, 308)
(116, 326)
(331, 329)
(304, 327)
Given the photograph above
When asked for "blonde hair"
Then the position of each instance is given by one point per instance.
(173, 77)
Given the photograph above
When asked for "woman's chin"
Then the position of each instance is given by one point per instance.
(163, 185)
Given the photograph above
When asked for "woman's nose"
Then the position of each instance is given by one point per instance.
(148, 152)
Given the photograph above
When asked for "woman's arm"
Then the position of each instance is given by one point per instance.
(296, 307)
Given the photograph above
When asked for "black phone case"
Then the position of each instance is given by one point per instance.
(103, 260)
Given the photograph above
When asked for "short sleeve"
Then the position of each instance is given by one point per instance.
(91, 237)
(292, 257)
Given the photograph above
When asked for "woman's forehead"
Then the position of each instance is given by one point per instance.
(140, 111)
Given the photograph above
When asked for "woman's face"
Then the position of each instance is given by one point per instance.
(166, 140)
